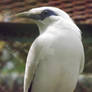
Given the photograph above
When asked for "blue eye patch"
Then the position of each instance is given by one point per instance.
(46, 13)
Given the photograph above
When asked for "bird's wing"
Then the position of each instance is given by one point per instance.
(31, 65)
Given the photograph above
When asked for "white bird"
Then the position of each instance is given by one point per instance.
(56, 58)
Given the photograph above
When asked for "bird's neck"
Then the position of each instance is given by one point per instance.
(42, 28)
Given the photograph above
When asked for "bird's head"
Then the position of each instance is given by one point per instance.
(44, 16)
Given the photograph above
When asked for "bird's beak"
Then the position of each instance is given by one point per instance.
(22, 15)
(28, 15)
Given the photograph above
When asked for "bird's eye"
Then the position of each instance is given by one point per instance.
(45, 13)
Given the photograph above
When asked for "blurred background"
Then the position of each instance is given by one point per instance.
(17, 35)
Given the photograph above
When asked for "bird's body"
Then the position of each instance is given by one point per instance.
(56, 57)
(59, 67)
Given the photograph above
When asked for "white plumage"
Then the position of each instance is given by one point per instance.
(56, 57)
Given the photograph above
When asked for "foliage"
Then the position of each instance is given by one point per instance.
(13, 56)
